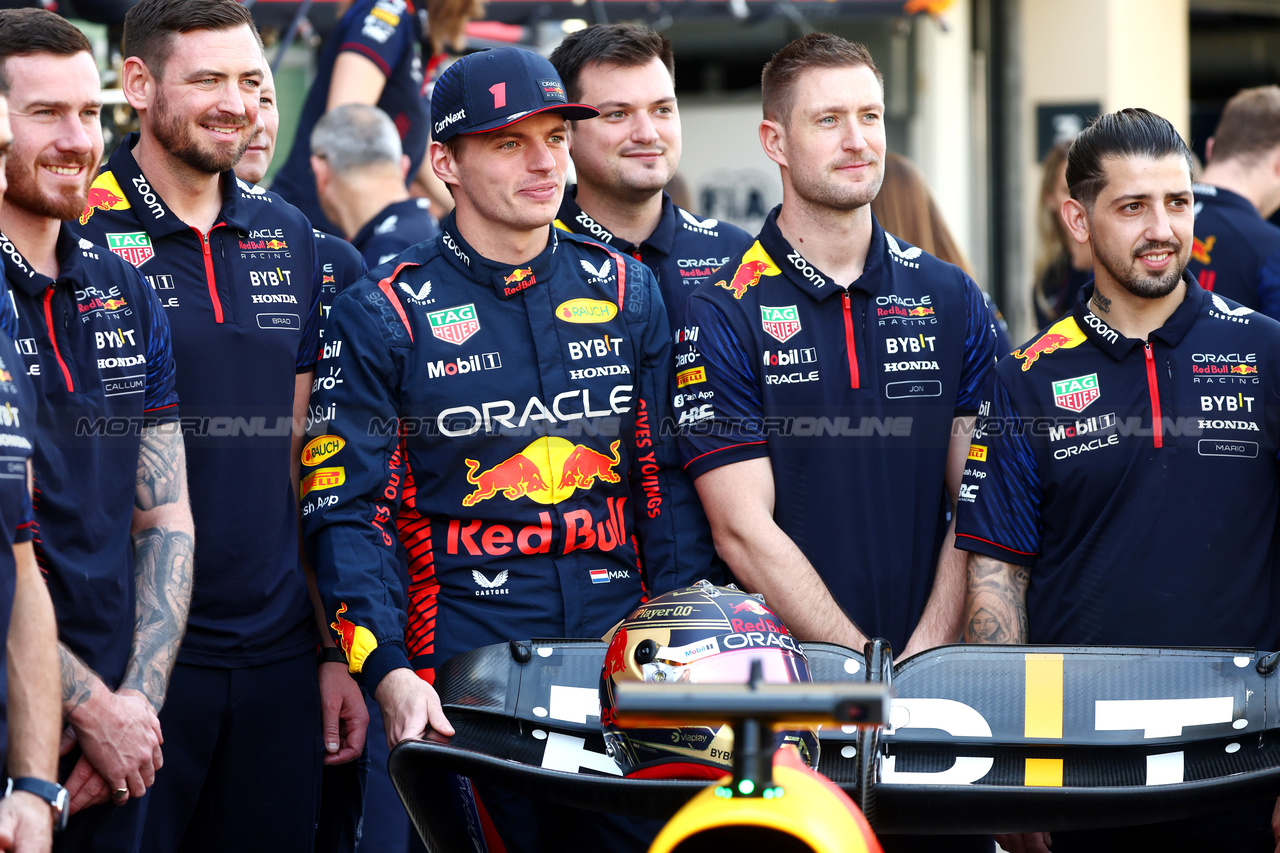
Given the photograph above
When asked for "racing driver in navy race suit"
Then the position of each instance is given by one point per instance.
(503, 386)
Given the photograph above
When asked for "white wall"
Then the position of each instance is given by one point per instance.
(1119, 53)
(722, 160)
(942, 126)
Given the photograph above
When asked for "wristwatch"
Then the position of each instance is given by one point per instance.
(331, 654)
(51, 792)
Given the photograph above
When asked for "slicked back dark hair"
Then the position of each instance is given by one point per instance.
(1250, 125)
(149, 27)
(625, 45)
(1132, 132)
(25, 32)
(816, 50)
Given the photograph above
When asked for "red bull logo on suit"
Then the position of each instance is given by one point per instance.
(549, 470)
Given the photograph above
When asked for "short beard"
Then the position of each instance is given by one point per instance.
(824, 194)
(1147, 287)
(176, 137)
(24, 192)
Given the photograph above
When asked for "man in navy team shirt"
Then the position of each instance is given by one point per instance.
(825, 380)
(114, 531)
(1074, 501)
(360, 174)
(1236, 251)
(29, 696)
(244, 304)
(375, 48)
(626, 157)
(822, 376)
(340, 263)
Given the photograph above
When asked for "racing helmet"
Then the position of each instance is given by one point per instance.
(701, 634)
(807, 813)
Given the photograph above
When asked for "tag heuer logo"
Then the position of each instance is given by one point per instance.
(454, 325)
(1076, 394)
(781, 323)
(134, 248)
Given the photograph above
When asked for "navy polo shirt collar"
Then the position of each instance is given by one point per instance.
(505, 279)
(1225, 197)
(1116, 345)
(367, 230)
(662, 239)
(808, 278)
(156, 217)
(22, 275)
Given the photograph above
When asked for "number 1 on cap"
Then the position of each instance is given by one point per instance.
(499, 91)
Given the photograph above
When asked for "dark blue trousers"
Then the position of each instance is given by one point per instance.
(242, 756)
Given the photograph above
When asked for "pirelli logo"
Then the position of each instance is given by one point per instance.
(691, 376)
(323, 478)
(978, 452)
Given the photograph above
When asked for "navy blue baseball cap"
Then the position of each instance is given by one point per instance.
(495, 88)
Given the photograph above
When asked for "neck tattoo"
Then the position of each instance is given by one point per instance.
(1101, 302)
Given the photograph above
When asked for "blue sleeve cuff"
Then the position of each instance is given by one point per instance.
(717, 457)
(381, 661)
(994, 550)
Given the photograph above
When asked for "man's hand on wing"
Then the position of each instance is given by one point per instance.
(410, 707)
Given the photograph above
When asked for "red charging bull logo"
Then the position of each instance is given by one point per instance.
(1200, 249)
(747, 275)
(518, 281)
(767, 622)
(514, 477)
(519, 275)
(1244, 369)
(584, 465)
(355, 640)
(616, 659)
(105, 194)
(549, 470)
(751, 606)
(1062, 334)
(755, 263)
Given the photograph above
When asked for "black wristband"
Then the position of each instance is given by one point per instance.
(331, 654)
(51, 792)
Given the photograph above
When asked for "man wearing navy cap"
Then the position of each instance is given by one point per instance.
(499, 417)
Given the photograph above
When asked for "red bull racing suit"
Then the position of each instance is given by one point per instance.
(504, 424)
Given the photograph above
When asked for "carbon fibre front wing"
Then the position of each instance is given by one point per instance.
(981, 738)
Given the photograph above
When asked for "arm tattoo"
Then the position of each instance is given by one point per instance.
(163, 564)
(77, 680)
(160, 472)
(996, 606)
